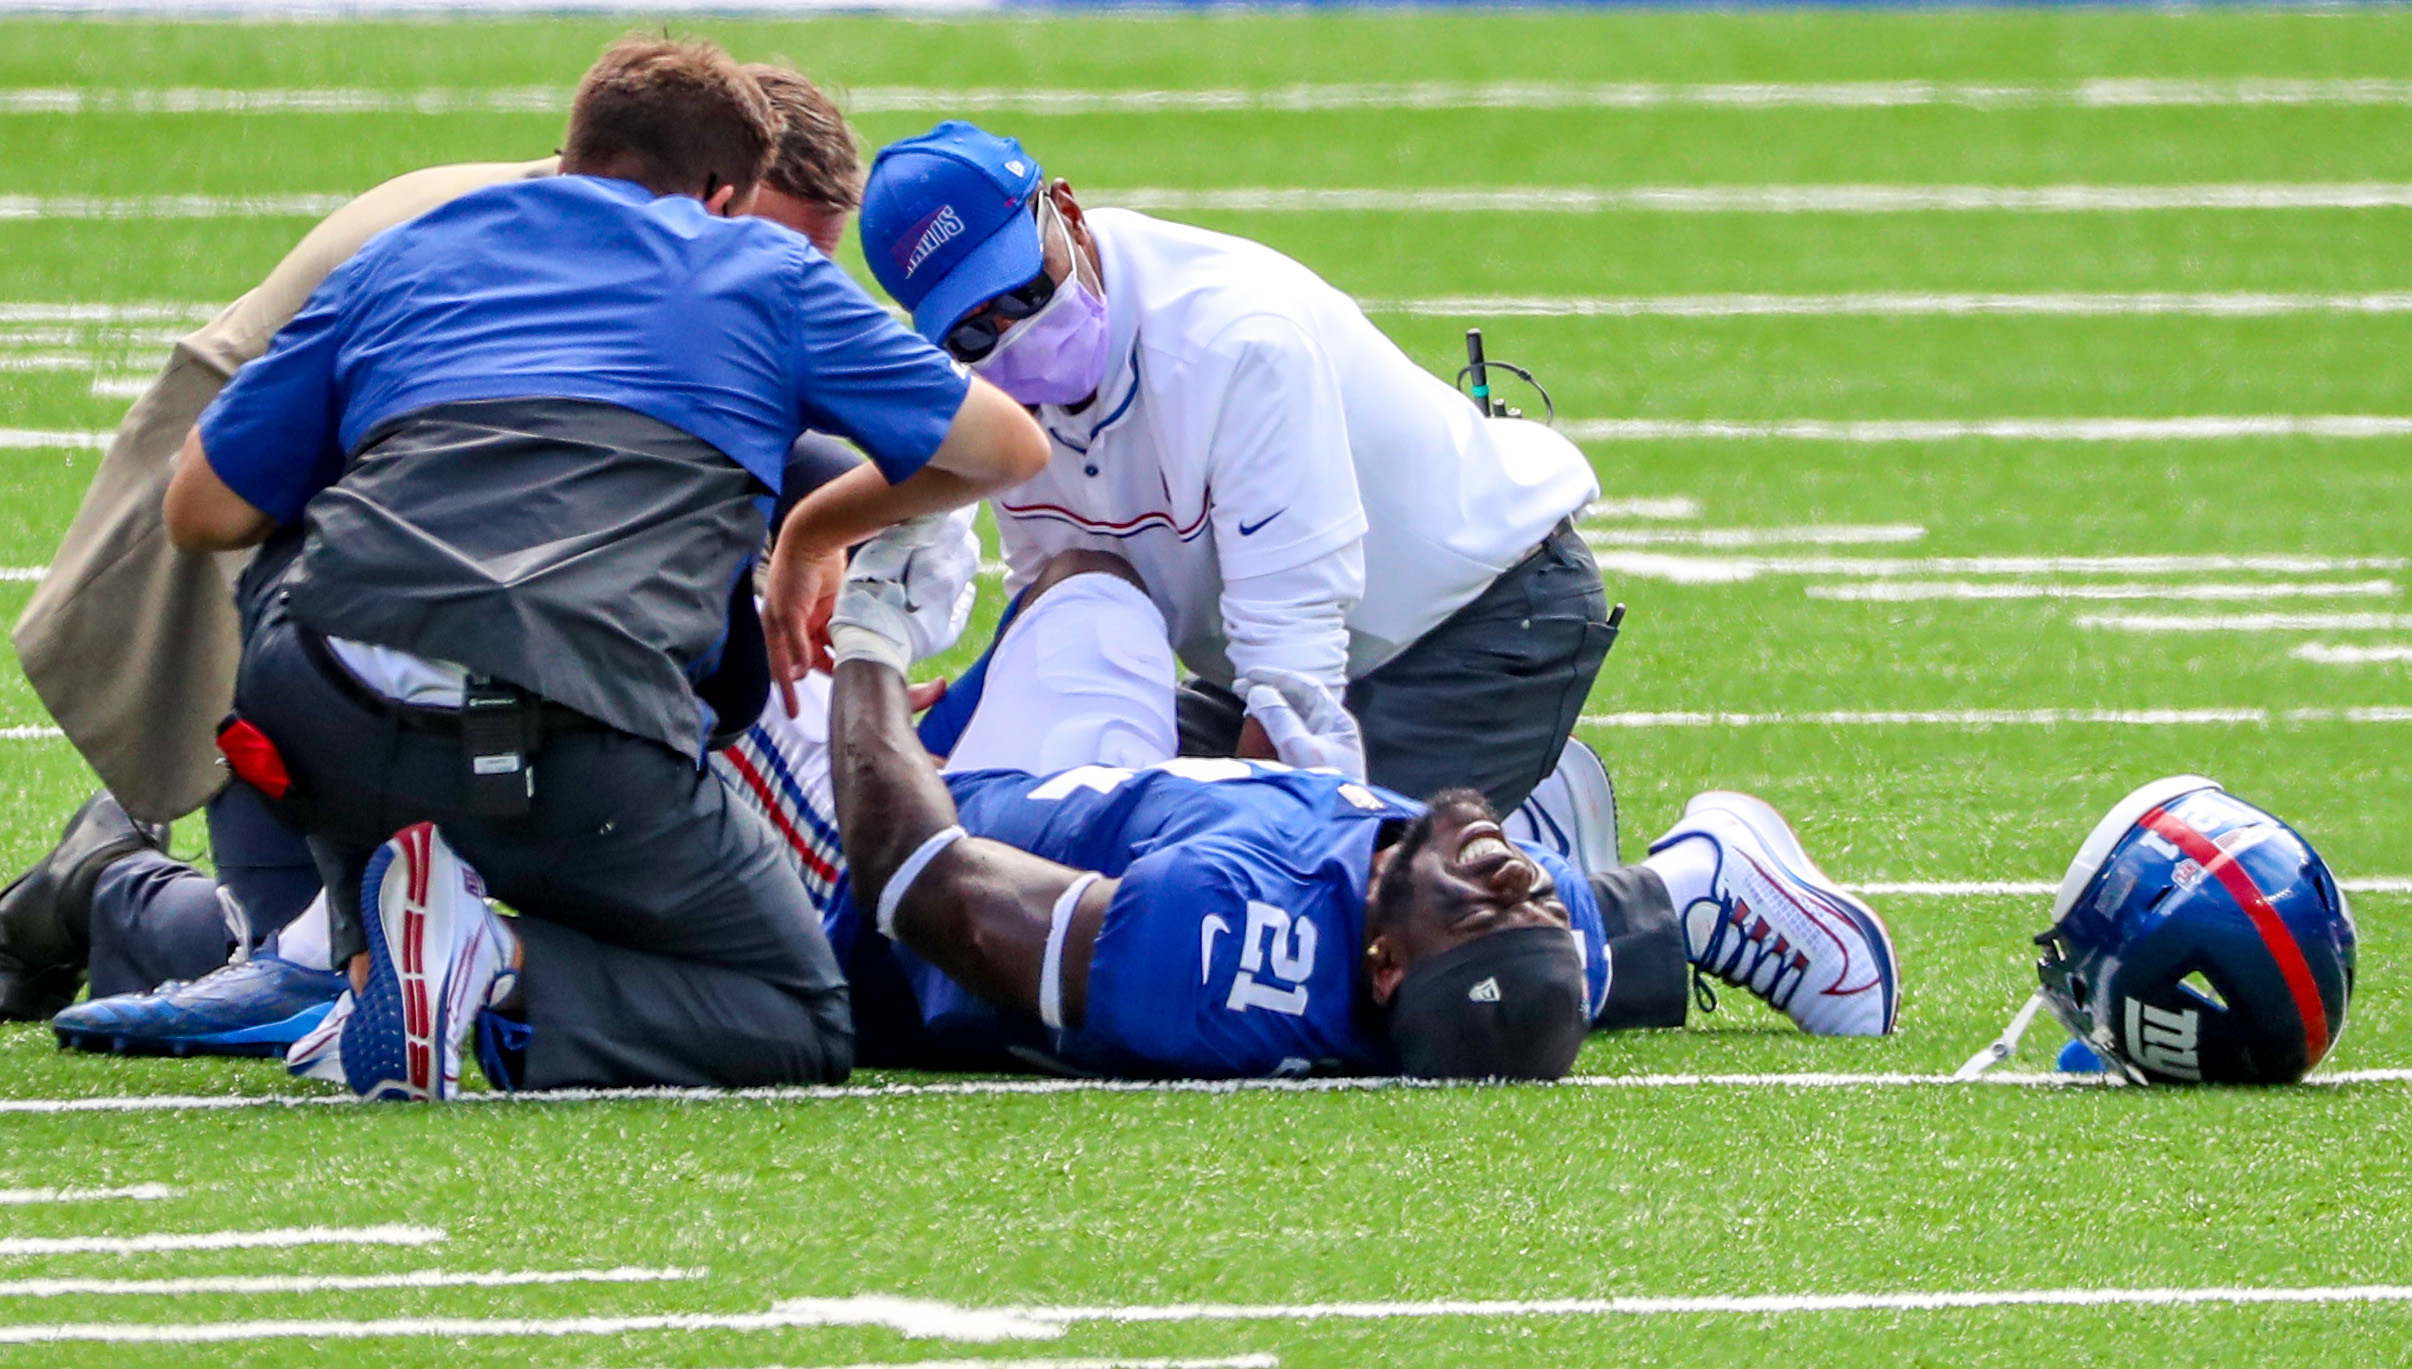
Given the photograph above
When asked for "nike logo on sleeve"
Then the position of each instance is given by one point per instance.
(1250, 529)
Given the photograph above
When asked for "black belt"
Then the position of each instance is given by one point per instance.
(1565, 528)
(499, 728)
(551, 719)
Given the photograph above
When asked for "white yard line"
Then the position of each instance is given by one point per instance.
(2037, 888)
(1770, 199)
(92, 341)
(924, 1318)
(1892, 304)
(1883, 304)
(1739, 1304)
(45, 437)
(1720, 570)
(30, 734)
(1913, 591)
(122, 386)
(1670, 508)
(2199, 428)
(1015, 1088)
(2320, 653)
(307, 100)
(147, 207)
(2007, 717)
(1812, 534)
(1260, 1360)
(1664, 199)
(1958, 888)
(2248, 622)
(139, 1193)
(333, 1283)
(319, 10)
(46, 361)
(22, 573)
(275, 1238)
(138, 312)
(1442, 95)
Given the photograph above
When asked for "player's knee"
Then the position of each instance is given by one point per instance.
(1082, 561)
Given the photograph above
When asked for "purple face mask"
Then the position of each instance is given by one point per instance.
(1057, 355)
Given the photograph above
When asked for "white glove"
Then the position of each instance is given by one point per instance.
(908, 592)
(1307, 726)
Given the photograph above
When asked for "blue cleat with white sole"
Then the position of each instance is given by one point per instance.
(437, 958)
(259, 1006)
(1776, 925)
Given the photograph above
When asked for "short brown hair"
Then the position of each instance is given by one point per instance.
(818, 160)
(676, 118)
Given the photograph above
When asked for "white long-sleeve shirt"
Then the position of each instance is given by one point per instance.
(1292, 489)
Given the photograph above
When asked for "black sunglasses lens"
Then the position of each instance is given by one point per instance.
(1029, 299)
(972, 339)
(976, 336)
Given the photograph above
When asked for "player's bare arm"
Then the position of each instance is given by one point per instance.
(979, 910)
(202, 513)
(991, 445)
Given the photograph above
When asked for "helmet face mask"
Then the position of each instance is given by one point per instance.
(2200, 940)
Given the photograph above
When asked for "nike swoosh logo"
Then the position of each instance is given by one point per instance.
(1250, 529)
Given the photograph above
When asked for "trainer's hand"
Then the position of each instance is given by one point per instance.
(1308, 727)
(796, 603)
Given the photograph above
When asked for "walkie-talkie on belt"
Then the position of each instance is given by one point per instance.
(496, 729)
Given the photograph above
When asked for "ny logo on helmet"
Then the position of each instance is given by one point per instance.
(2164, 1041)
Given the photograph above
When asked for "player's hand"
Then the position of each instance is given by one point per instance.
(908, 592)
(796, 603)
(1308, 726)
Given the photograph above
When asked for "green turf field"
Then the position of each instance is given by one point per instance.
(1259, 1201)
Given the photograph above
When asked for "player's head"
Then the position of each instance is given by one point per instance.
(815, 179)
(1467, 947)
(678, 118)
(961, 227)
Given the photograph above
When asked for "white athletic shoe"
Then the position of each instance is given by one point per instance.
(1572, 812)
(319, 1053)
(1775, 924)
(437, 959)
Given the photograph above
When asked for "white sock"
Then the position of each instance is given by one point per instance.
(304, 939)
(1689, 870)
(506, 951)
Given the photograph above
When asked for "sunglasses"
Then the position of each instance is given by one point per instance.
(976, 336)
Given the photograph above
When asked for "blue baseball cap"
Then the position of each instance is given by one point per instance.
(946, 222)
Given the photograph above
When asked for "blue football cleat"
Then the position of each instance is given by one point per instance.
(259, 1006)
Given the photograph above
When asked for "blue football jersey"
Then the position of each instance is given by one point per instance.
(1583, 914)
(1232, 944)
(1231, 947)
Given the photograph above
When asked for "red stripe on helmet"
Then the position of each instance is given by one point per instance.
(2274, 934)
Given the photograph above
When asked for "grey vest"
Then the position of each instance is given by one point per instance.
(578, 550)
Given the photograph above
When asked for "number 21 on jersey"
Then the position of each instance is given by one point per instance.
(1275, 946)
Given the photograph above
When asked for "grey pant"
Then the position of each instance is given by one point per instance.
(668, 939)
(1485, 700)
(155, 918)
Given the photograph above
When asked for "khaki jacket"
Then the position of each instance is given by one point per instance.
(132, 644)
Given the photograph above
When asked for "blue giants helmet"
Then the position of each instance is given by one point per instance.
(2197, 939)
